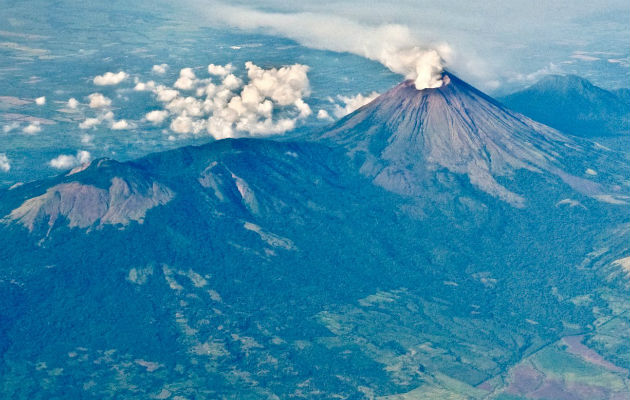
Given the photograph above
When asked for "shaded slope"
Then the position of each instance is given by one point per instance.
(574, 105)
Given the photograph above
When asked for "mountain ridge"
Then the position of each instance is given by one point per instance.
(574, 105)
(282, 268)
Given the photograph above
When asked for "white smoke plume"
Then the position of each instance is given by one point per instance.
(392, 45)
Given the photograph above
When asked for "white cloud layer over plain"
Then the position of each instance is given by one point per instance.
(65, 161)
(221, 104)
(5, 165)
(110, 78)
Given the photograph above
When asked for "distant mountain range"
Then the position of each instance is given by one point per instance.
(574, 105)
(433, 244)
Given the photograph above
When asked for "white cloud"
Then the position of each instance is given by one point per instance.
(159, 69)
(283, 86)
(120, 125)
(10, 127)
(89, 123)
(187, 79)
(323, 114)
(270, 101)
(251, 111)
(110, 78)
(189, 105)
(40, 101)
(32, 128)
(583, 56)
(156, 116)
(303, 108)
(183, 124)
(231, 82)
(165, 94)
(5, 165)
(590, 171)
(536, 75)
(72, 103)
(144, 86)
(65, 161)
(86, 138)
(94, 121)
(352, 103)
(220, 70)
(97, 100)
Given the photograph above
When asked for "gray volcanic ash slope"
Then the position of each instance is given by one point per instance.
(405, 135)
(433, 244)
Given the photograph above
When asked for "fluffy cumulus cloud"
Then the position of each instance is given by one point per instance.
(352, 103)
(156, 116)
(165, 94)
(392, 45)
(32, 128)
(110, 78)
(120, 125)
(259, 101)
(72, 103)
(268, 101)
(144, 86)
(65, 161)
(40, 101)
(186, 79)
(220, 70)
(5, 165)
(97, 100)
(323, 115)
(91, 122)
(159, 69)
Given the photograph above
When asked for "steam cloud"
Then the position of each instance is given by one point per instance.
(392, 45)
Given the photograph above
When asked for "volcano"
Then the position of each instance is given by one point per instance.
(406, 134)
(432, 244)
